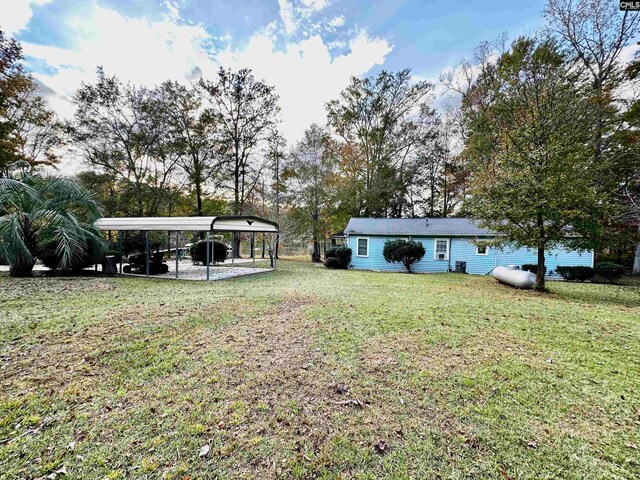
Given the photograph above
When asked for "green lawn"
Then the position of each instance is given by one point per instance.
(312, 373)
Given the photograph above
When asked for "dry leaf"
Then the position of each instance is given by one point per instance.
(204, 451)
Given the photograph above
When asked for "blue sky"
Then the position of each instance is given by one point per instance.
(307, 48)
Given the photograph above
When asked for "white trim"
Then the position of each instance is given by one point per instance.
(486, 250)
(358, 246)
(435, 249)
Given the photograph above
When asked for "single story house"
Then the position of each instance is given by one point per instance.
(447, 241)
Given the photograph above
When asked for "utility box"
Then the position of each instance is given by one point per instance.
(461, 267)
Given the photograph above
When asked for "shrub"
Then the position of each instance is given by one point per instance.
(341, 255)
(403, 251)
(573, 273)
(532, 267)
(94, 252)
(609, 271)
(332, 262)
(199, 251)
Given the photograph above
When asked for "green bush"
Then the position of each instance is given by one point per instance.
(341, 255)
(93, 252)
(403, 251)
(576, 273)
(532, 267)
(332, 262)
(199, 251)
(609, 271)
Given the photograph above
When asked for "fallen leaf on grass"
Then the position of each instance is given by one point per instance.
(204, 451)
(353, 402)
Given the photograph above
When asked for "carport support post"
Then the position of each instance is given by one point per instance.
(177, 233)
(253, 247)
(120, 248)
(208, 245)
(213, 252)
(275, 256)
(148, 252)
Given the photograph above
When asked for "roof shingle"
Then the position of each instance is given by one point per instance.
(416, 226)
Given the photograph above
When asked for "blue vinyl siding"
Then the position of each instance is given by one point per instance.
(464, 250)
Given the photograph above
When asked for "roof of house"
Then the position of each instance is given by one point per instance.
(454, 227)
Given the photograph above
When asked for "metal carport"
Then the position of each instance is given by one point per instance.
(227, 223)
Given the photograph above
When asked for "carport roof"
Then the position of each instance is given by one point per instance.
(240, 223)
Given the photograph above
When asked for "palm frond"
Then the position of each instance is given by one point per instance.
(12, 241)
(70, 248)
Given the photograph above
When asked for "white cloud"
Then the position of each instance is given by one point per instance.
(288, 16)
(145, 52)
(305, 74)
(140, 51)
(17, 16)
(337, 21)
(316, 5)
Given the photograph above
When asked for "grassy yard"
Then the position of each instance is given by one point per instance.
(312, 373)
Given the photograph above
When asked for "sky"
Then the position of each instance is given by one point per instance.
(307, 49)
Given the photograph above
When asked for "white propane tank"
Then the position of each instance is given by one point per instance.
(515, 278)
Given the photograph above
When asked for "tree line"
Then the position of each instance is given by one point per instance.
(537, 139)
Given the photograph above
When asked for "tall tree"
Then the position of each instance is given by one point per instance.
(29, 131)
(191, 130)
(114, 131)
(626, 149)
(530, 169)
(310, 169)
(276, 145)
(244, 110)
(595, 34)
(382, 119)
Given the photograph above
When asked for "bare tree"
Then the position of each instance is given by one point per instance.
(113, 131)
(244, 110)
(190, 130)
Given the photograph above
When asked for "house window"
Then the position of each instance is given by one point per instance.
(363, 247)
(441, 250)
(482, 250)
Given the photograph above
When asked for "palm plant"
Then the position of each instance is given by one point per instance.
(47, 217)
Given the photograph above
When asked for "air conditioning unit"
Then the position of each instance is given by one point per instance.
(442, 256)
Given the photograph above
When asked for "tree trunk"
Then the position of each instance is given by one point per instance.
(636, 260)
(21, 269)
(198, 199)
(541, 270)
(315, 256)
(236, 245)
